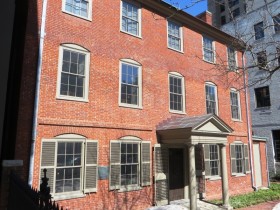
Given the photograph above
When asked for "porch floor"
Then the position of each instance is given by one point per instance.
(184, 204)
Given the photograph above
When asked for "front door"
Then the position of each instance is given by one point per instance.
(176, 174)
(257, 164)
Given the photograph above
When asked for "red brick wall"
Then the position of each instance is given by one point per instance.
(101, 118)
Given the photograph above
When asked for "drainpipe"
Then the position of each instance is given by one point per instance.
(37, 92)
(267, 171)
(248, 124)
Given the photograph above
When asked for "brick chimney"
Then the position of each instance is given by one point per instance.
(206, 17)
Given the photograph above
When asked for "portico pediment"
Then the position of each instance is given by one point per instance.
(199, 129)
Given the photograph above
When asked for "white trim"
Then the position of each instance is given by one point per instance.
(177, 75)
(235, 57)
(89, 17)
(181, 36)
(78, 49)
(136, 64)
(139, 10)
(216, 96)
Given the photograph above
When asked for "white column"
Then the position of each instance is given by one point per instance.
(192, 178)
(226, 204)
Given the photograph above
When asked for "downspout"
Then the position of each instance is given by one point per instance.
(37, 92)
(267, 171)
(248, 124)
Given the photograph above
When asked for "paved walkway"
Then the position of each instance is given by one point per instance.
(185, 205)
(270, 205)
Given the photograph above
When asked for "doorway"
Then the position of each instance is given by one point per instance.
(176, 174)
(257, 164)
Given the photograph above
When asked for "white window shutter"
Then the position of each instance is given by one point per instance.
(246, 158)
(161, 174)
(145, 163)
(48, 153)
(115, 165)
(91, 155)
(233, 159)
(207, 160)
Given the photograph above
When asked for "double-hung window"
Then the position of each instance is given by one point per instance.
(176, 92)
(239, 158)
(130, 18)
(259, 30)
(262, 59)
(71, 163)
(208, 50)
(262, 96)
(129, 163)
(211, 98)
(276, 22)
(80, 8)
(73, 73)
(130, 83)
(235, 104)
(231, 58)
(212, 160)
(174, 36)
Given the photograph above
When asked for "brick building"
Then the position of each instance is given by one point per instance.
(132, 108)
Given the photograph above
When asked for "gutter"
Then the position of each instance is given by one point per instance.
(37, 92)
(248, 125)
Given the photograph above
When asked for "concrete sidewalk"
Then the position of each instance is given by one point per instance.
(185, 205)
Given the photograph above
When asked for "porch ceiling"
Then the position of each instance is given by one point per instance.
(198, 129)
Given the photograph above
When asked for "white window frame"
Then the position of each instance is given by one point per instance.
(235, 59)
(73, 138)
(177, 75)
(243, 159)
(213, 50)
(78, 49)
(217, 160)
(139, 66)
(139, 35)
(211, 84)
(180, 34)
(233, 90)
(80, 16)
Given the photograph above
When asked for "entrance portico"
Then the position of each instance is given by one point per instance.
(187, 132)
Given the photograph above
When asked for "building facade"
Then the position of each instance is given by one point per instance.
(131, 109)
(259, 28)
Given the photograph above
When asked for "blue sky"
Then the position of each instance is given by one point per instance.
(192, 7)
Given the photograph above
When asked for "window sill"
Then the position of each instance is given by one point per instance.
(239, 175)
(213, 178)
(236, 120)
(67, 98)
(78, 16)
(69, 195)
(130, 188)
(125, 32)
(211, 62)
(130, 106)
(179, 51)
(177, 112)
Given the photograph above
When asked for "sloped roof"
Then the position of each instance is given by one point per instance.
(191, 123)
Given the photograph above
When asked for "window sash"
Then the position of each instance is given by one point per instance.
(239, 159)
(231, 59)
(234, 102)
(77, 7)
(130, 18)
(211, 104)
(262, 97)
(208, 49)
(276, 21)
(176, 93)
(129, 84)
(214, 160)
(174, 35)
(259, 30)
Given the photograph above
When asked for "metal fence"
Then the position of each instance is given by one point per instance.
(22, 196)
